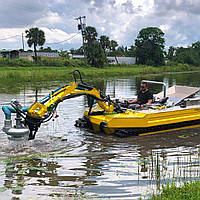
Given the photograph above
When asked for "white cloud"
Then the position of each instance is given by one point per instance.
(51, 35)
(50, 18)
(60, 1)
(13, 42)
(119, 19)
(164, 27)
(58, 35)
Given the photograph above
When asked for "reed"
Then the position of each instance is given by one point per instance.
(189, 190)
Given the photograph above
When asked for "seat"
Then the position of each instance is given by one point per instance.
(163, 100)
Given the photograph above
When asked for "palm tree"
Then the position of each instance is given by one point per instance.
(91, 34)
(105, 42)
(36, 37)
(112, 46)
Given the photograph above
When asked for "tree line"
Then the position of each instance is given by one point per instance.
(187, 55)
(97, 49)
(149, 48)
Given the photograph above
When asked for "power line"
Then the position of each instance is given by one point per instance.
(63, 40)
(45, 43)
(10, 37)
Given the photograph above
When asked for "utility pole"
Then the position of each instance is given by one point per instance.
(23, 41)
(82, 26)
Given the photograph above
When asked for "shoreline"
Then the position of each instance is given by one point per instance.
(52, 73)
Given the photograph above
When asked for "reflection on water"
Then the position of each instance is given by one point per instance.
(65, 161)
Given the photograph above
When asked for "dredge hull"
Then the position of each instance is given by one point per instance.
(145, 122)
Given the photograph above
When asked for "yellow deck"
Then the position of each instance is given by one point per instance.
(145, 119)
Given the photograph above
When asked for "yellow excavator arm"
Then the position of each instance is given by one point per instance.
(44, 110)
(40, 109)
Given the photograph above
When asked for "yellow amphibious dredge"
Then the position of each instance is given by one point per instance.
(174, 108)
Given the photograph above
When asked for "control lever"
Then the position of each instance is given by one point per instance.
(16, 104)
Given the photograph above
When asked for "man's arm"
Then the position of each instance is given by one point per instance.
(133, 101)
(149, 101)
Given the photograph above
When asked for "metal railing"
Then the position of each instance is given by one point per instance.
(158, 83)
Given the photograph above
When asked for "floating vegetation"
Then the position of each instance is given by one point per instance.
(3, 189)
(36, 168)
(17, 188)
(183, 136)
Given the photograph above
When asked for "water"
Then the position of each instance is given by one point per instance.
(64, 162)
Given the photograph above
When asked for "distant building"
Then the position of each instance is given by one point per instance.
(76, 57)
(112, 60)
(42, 54)
(121, 60)
(14, 54)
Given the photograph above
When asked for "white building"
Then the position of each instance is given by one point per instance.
(112, 60)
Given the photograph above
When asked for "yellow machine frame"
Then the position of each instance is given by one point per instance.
(39, 110)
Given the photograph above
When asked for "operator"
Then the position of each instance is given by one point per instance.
(144, 96)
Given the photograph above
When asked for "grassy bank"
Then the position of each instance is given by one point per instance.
(189, 191)
(53, 70)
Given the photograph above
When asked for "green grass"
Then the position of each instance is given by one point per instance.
(20, 71)
(188, 191)
(45, 73)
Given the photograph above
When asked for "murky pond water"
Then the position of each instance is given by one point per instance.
(64, 162)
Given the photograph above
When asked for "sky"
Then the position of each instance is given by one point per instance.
(121, 20)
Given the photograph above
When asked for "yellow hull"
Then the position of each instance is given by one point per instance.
(145, 122)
